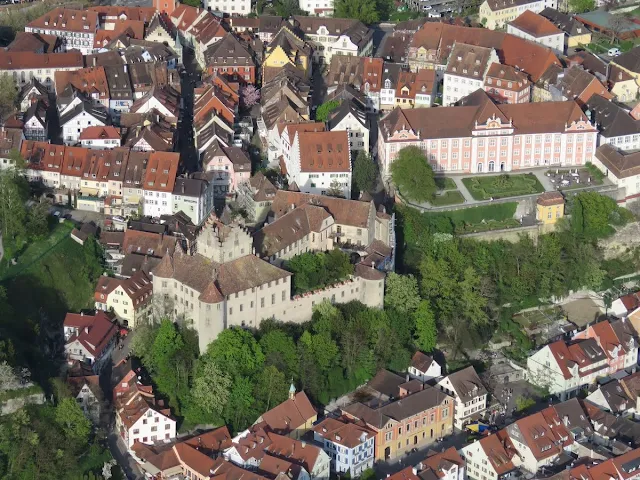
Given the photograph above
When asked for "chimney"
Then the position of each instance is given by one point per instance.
(125, 68)
(95, 61)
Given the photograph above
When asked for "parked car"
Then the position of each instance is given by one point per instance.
(613, 52)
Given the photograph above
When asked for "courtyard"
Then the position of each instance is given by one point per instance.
(574, 178)
(502, 186)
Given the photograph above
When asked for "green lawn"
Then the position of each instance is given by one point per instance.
(34, 251)
(445, 183)
(501, 186)
(450, 197)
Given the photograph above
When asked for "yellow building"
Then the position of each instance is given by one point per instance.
(287, 49)
(550, 207)
(496, 13)
(292, 418)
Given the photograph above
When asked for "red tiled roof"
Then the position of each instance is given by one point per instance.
(495, 448)
(31, 60)
(535, 25)
(290, 414)
(161, 171)
(100, 133)
(95, 336)
(68, 20)
(324, 151)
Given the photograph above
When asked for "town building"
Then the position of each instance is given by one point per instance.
(335, 36)
(27, 66)
(575, 33)
(577, 84)
(230, 167)
(404, 414)
(194, 197)
(256, 197)
(129, 299)
(505, 84)
(320, 162)
(390, 75)
(615, 124)
(34, 42)
(231, 59)
(372, 82)
(286, 48)
(466, 70)
(350, 117)
(140, 417)
(350, 446)
(550, 207)
(231, 7)
(31, 93)
(83, 115)
(271, 454)
(86, 390)
(159, 182)
(431, 47)
(35, 122)
(535, 27)
(43, 162)
(538, 439)
(89, 338)
(622, 85)
(621, 168)
(291, 418)
(446, 465)
(496, 13)
(10, 142)
(76, 28)
(424, 368)
(197, 28)
(603, 349)
(489, 457)
(470, 395)
(450, 136)
(100, 138)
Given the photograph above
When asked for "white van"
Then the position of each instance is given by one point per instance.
(613, 52)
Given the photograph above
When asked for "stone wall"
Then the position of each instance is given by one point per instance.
(369, 292)
(513, 234)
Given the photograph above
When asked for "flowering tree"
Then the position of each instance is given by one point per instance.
(249, 95)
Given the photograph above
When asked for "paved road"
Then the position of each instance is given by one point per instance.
(126, 462)
(394, 465)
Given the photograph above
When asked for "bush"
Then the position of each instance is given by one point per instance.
(317, 270)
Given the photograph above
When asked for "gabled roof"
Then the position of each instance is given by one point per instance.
(345, 212)
(421, 362)
(564, 22)
(612, 120)
(228, 52)
(68, 20)
(97, 111)
(469, 61)
(467, 384)
(347, 108)
(535, 25)
(290, 414)
(100, 133)
(629, 60)
(497, 448)
(33, 42)
(263, 189)
(324, 151)
(93, 332)
(31, 60)
(343, 432)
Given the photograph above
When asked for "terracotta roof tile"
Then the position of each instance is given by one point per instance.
(535, 25)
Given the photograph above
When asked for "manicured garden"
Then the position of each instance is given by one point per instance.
(447, 193)
(501, 186)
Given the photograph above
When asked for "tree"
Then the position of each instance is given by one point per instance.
(581, 6)
(12, 205)
(365, 172)
(70, 417)
(193, 3)
(367, 12)
(239, 412)
(323, 111)
(210, 388)
(236, 352)
(401, 293)
(38, 221)
(280, 351)
(287, 8)
(413, 175)
(271, 388)
(8, 95)
(426, 332)
(249, 95)
(16, 159)
(592, 214)
(335, 189)
(618, 23)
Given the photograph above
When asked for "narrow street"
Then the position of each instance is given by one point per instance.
(186, 147)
